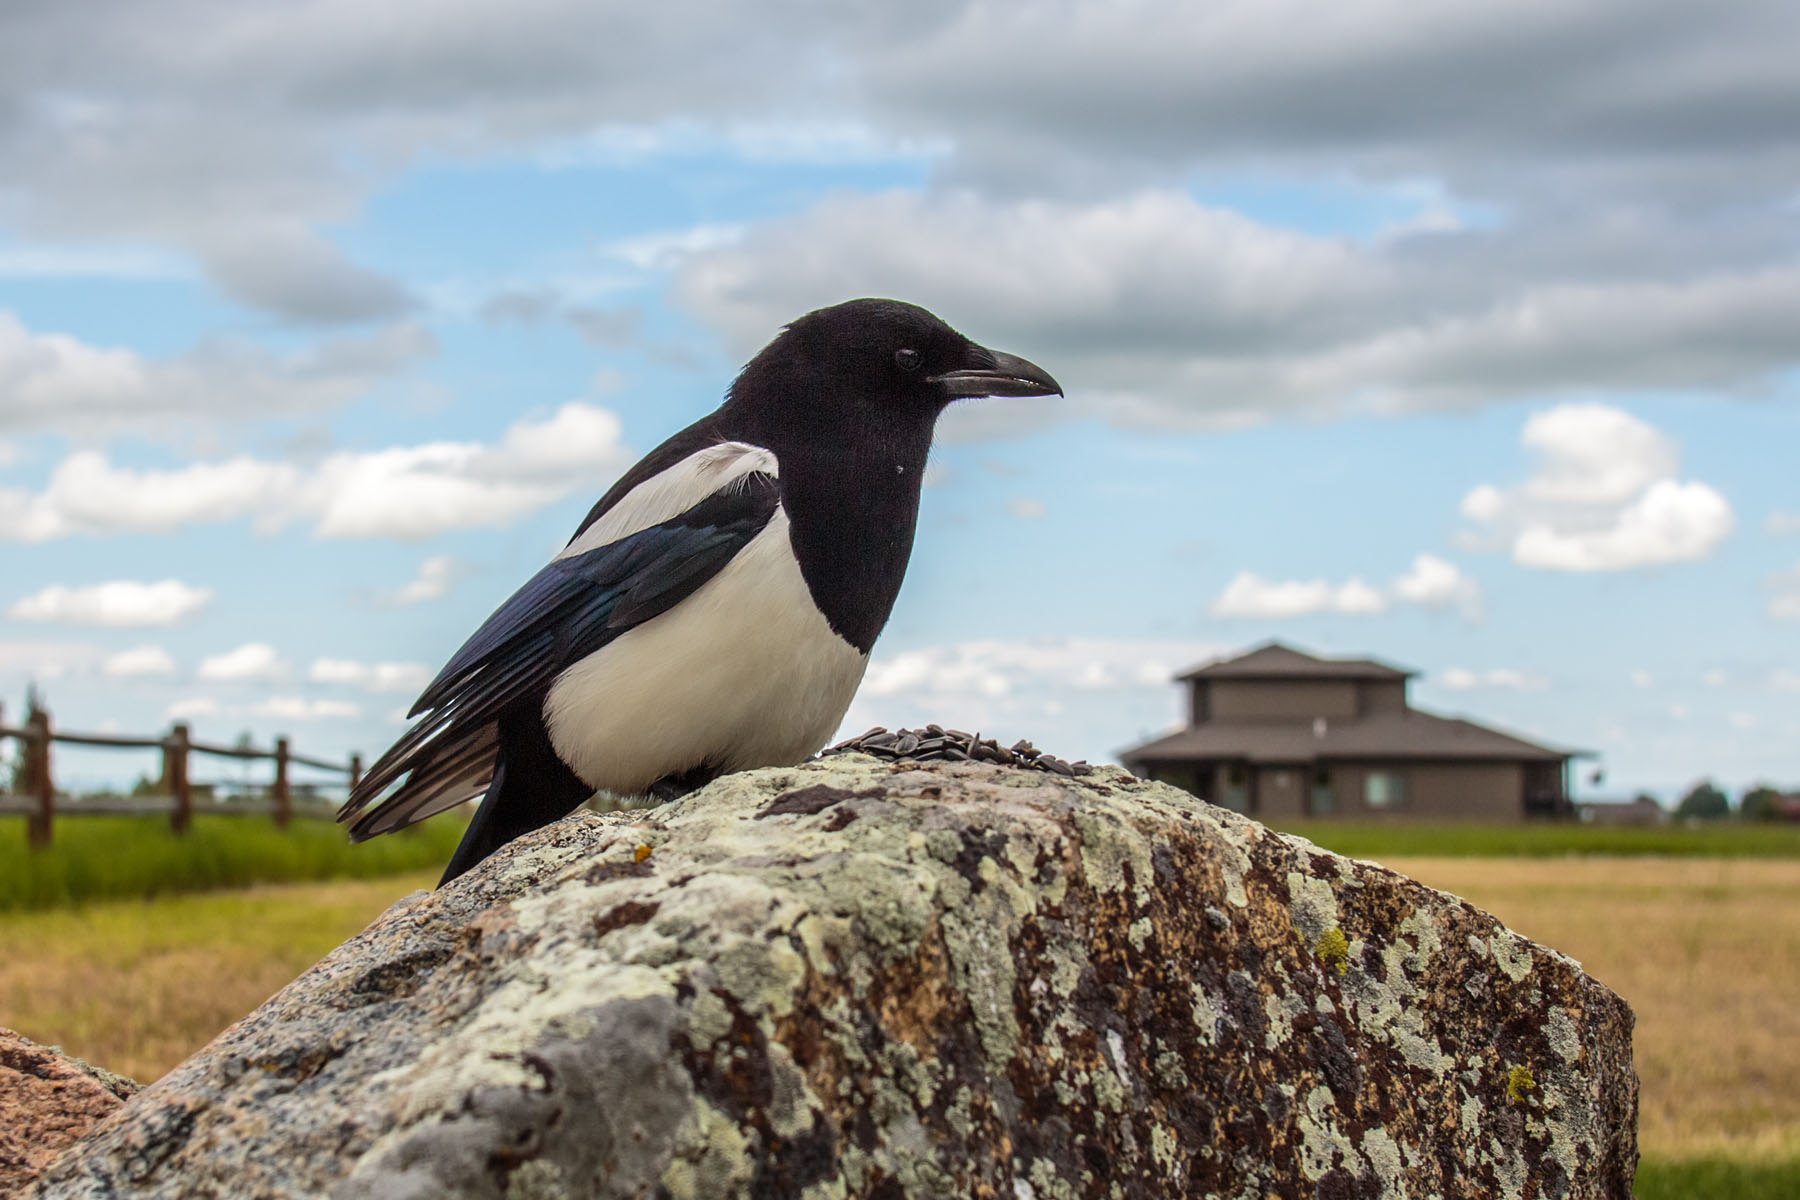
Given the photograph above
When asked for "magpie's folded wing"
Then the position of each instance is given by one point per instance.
(567, 611)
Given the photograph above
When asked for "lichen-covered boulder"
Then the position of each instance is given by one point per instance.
(857, 979)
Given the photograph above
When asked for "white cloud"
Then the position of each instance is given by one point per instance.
(1714, 678)
(1743, 721)
(1026, 508)
(1594, 454)
(1250, 595)
(1430, 582)
(1784, 679)
(86, 494)
(414, 492)
(1156, 309)
(139, 662)
(1641, 678)
(263, 124)
(994, 669)
(1782, 524)
(406, 492)
(119, 603)
(1670, 523)
(371, 677)
(296, 708)
(433, 581)
(47, 660)
(57, 382)
(252, 660)
(1461, 679)
(195, 706)
(667, 248)
(1072, 696)
(1602, 497)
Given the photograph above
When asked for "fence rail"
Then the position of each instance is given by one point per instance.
(35, 789)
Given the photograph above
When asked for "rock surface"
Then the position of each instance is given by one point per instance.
(859, 979)
(47, 1100)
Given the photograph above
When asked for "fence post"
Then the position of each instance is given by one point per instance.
(175, 773)
(37, 779)
(284, 807)
(355, 771)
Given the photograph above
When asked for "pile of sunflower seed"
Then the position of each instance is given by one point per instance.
(934, 743)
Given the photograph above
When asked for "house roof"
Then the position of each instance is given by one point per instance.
(1276, 661)
(1402, 735)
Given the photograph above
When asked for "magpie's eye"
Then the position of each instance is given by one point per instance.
(907, 360)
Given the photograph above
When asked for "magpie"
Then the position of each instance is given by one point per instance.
(716, 609)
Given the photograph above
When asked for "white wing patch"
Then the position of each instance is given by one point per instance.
(674, 490)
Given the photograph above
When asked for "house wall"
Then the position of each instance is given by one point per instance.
(1281, 700)
(1199, 702)
(1491, 792)
(1381, 695)
(1281, 792)
(1437, 791)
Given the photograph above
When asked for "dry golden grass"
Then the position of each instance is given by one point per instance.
(138, 986)
(1707, 952)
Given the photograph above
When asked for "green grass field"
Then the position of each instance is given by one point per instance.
(1716, 1179)
(1717, 839)
(114, 858)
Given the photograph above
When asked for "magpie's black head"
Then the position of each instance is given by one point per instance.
(878, 362)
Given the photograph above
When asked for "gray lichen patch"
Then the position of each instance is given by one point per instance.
(1513, 953)
(1564, 1035)
(921, 980)
(1314, 902)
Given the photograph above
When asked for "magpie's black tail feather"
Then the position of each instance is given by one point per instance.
(532, 787)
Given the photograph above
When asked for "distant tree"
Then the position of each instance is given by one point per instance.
(1760, 803)
(1704, 801)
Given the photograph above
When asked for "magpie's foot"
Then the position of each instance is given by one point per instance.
(674, 787)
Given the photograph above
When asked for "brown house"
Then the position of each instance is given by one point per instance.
(1281, 734)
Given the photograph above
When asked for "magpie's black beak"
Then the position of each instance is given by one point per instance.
(991, 373)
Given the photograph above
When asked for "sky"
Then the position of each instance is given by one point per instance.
(1459, 335)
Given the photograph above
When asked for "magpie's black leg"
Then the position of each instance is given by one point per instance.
(674, 787)
(532, 787)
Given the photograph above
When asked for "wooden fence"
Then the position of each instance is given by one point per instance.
(35, 791)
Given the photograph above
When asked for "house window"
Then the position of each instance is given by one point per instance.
(1236, 792)
(1384, 789)
(1321, 800)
